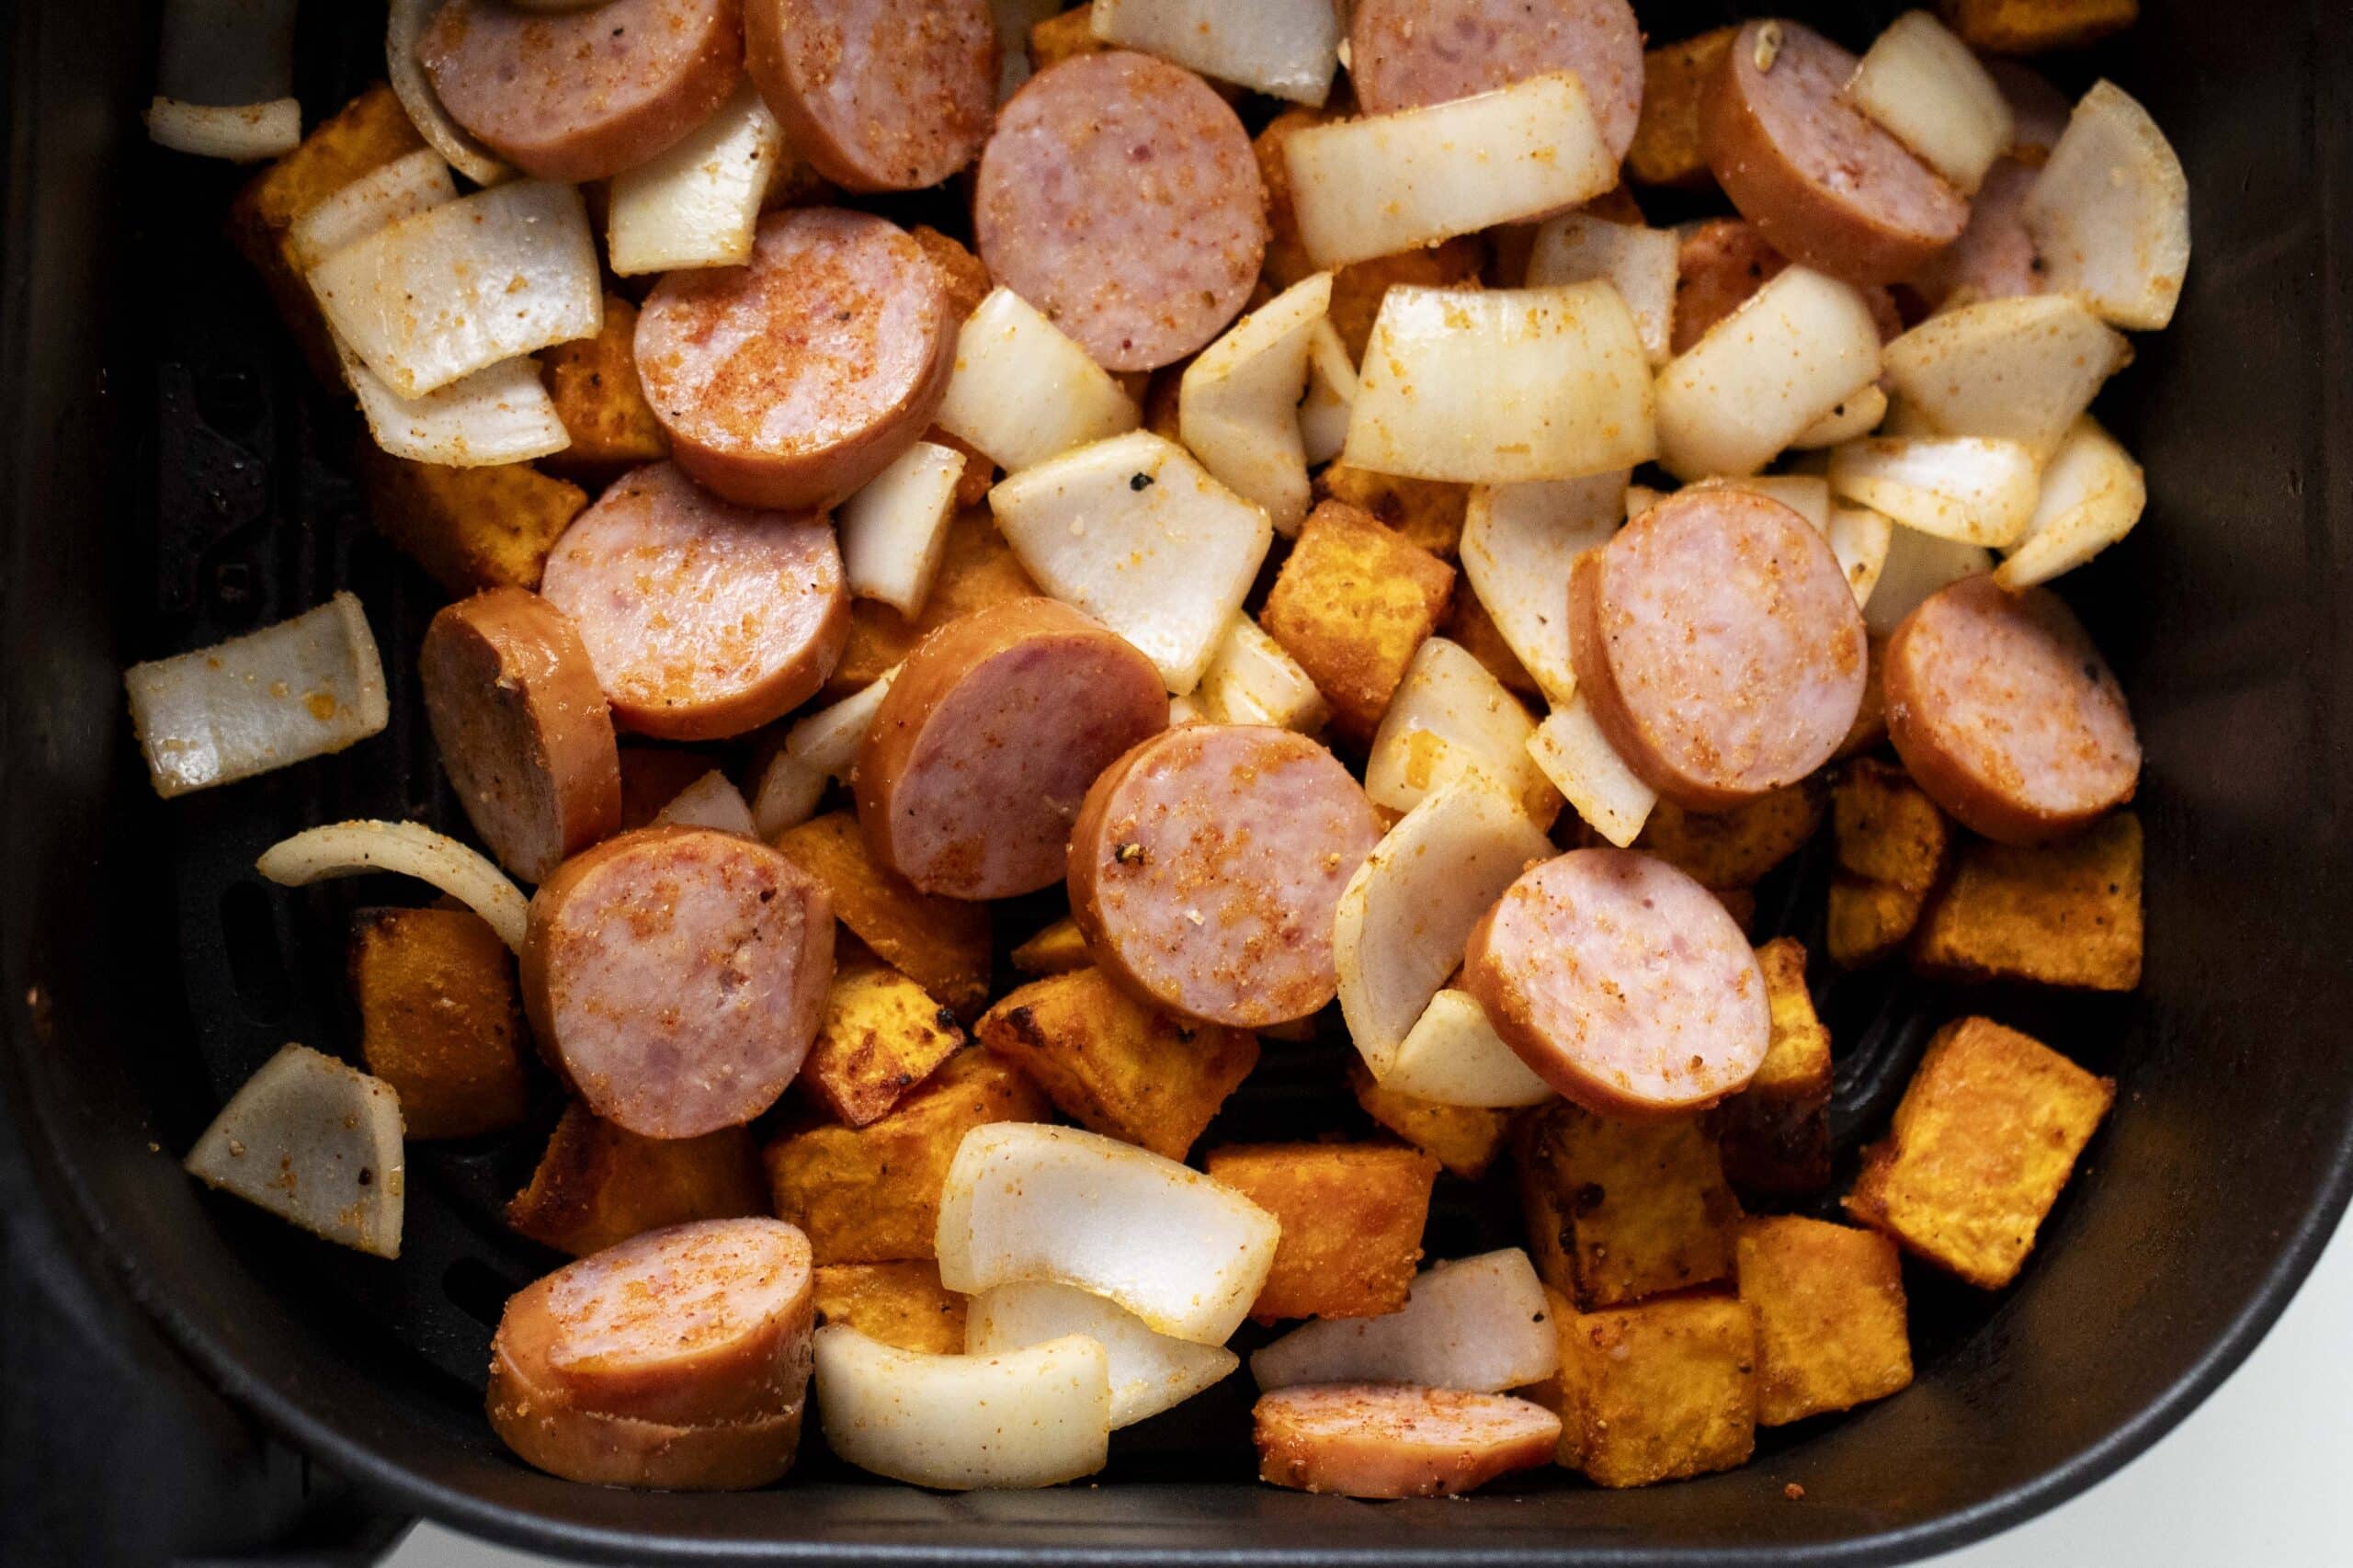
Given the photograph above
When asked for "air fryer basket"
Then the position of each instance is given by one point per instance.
(175, 479)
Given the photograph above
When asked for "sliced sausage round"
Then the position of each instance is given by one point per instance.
(1396, 1439)
(1206, 866)
(1119, 196)
(676, 976)
(1407, 53)
(522, 728)
(1994, 257)
(794, 379)
(2006, 713)
(583, 94)
(877, 95)
(1829, 186)
(1719, 645)
(975, 765)
(1622, 983)
(548, 1432)
(703, 620)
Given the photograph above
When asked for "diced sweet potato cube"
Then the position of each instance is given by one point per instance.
(1351, 604)
(1666, 149)
(652, 777)
(1287, 260)
(1618, 1211)
(2030, 26)
(470, 528)
(598, 1184)
(1468, 624)
(1056, 950)
(438, 1020)
(1776, 1132)
(967, 280)
(941, 944)
(977, 569)
(1658, 1392)
(1828, 1301)
(1427, 512)
(2066, 913)
(1985, 1136)
(1062, 38)
(882, 1034)
(1115, 1065)
(871, 1193)
(1890, 845)
(597, 395)
(899, 1303)
(1735, 848)
(1352, 1217)
(1464, 1139)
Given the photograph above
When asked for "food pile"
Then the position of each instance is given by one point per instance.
(1293, 504)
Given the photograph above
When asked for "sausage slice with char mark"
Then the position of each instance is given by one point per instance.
(877, 95)
(1387, 1440)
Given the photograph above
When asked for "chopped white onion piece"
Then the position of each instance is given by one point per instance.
(710, 801)
(2109, 214)
(316, 1143)
(1917, 565)
(1138, 535)
(1388, 183)
(1237, 405)
(1453, 1056)
(1399, 929)
(1927, 90)
(788, 795)
(1451, 716)
(1476, 1323)
(465, 285)
(1519, 542)
(895, 529)
(1036, 1416)
(2019, 370)
(1253, 679)
(412, 183)
(1861, 538)
(697, 203)
(284, 694)
(405, 25)
(1641, 498)
(1027, 1202)
(1282, 48)
(241, 133)
(1856, 417)
(1331, 393)
(1022, 392)
(828, 739)
(1799, 348)
(1588, 772)
(2093, 493)
(1150, 1372)
(502, 415)
(1639, 263)
(1958, 487)
(1502, 387)
(404, 849)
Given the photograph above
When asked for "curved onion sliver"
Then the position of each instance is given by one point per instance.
(404, 848)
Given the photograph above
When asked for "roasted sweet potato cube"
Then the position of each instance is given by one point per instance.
(470, 528)
(1115, 1065)
(1287, 261)
(1352, 1217)
(882, 1034)
(366, 134)
(2066, 913)
(2030, 26)
(1889, 846)
(977, 569)
(1735, 848)
(597, 395)
(1776, 1132)
(871, 1193)
(899, 1303)
(1056, 950)
(1666, 149)
(1464, 1139)
(438, 1020)
(1658, 1392)
(1618, 1211)
(598, 1184)
(967, 279)
(941, 944)
(1828, 1301)
(1351, 604)
(1985, 1136)
(1427, 512)
(1468, 624)
(1062, 38)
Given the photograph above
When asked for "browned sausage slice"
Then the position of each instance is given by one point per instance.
(1828, 187)
(794, 379)
(1719, 645)
(1621, 982)
(1206, 867)
(678, 976)
(1119, 196)
(1396, 1439)
(975, 766)
(1407, 53)
(877, 95)
(522, 728)
(703, 620)
(583, 94)
(2006, 713)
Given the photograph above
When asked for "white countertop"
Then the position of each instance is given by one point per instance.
(2260, 1475)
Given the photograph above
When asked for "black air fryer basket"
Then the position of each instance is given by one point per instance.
(174, 478)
